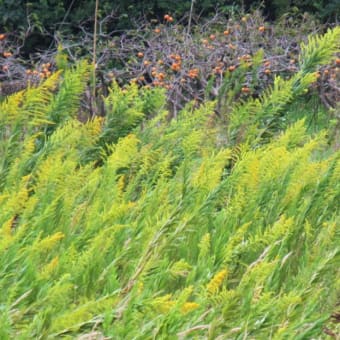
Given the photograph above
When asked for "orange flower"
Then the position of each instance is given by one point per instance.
(267, 71)
(168, 18)
(262, 28)
(178, 57)
(160, 76)
(193, 73)
(245, 89)
(232, 68)
(7, 54)
(2, 36)
(337, 61)
(212, 36)
(146, 63)
(157, 30)
(226, 32)
(176, 66)
(140, 54)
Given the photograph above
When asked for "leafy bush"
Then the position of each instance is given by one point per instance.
(174, 229)
(225, 59)
(64, 15)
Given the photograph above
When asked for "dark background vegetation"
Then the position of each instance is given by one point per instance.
(40, 20)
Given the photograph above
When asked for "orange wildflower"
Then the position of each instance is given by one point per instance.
(160, 76)
(176, 66)
(193, 73)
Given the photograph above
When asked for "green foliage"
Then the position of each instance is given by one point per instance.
(256, 118)
(50, 14)
(61, 58)
(319, 50)
(179, 231)
(126, 108)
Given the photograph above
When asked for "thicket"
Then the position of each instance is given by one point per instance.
(37, 26)
(42, 15)
(134, 226)
(223, 58)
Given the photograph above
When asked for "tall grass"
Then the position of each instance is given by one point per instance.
(167, 229)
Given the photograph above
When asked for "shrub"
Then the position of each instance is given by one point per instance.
(174, 229)
(224, 59)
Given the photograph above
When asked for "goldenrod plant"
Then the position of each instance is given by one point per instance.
(257, 117)
(134, 226)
